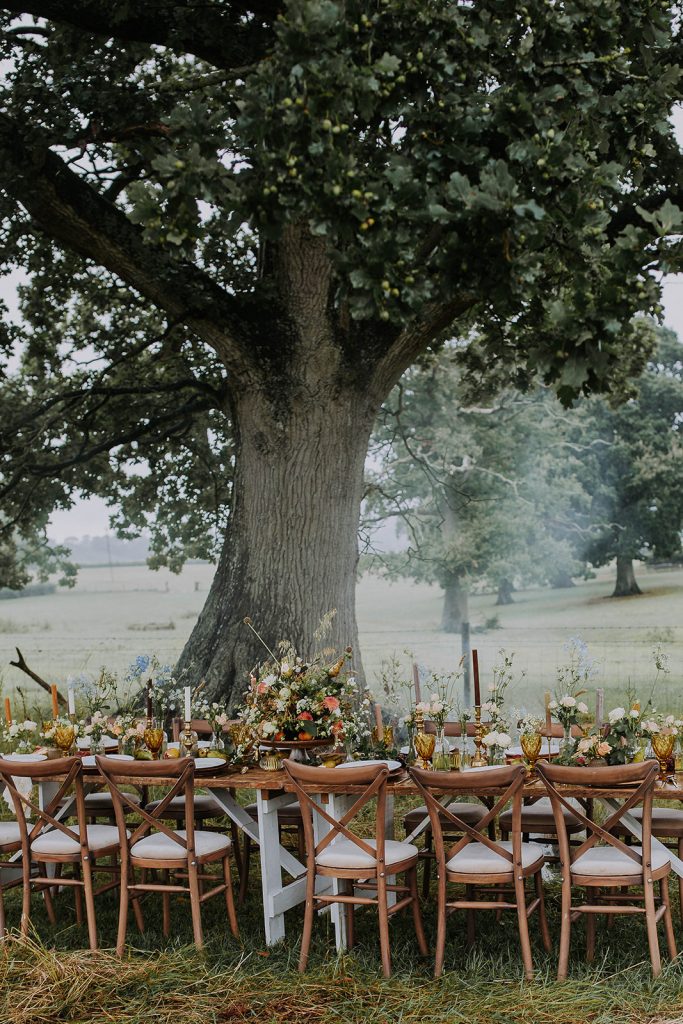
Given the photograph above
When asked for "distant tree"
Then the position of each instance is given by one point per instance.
(634, 475)
(241, 223)
(26, 555)
(481, 488)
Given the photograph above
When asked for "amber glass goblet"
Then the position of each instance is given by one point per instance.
(531, 743)
(663, 745)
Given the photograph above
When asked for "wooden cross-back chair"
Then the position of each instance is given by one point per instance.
(48, 840)
(364, 864)
(476, 860)
(178, 854)
(615, 866)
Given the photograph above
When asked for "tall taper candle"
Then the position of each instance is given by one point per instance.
(599, 707)
(149, 699)
(378, 722)
(8, 711)
(475, 673)
(71, 700)
(55, 705)
(548, 718)
(188, 703)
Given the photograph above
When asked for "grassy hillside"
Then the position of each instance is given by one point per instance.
(116, 613)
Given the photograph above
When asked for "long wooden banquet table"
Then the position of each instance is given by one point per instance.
(274, 791)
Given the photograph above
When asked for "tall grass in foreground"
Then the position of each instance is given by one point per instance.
(52, 978)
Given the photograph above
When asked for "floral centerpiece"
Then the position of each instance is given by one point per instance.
(23, 736)
(292, 700)
(95, 730)
(216, 714)
(498, 738)
(573, 679)
(61, 733)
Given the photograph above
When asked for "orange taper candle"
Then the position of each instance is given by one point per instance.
(8, 711)
(55, 704)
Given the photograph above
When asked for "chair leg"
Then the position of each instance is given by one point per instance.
(195, 905)
(411, 877)
(89, 903)
(651, 924)
(545, 931)
(427, 865)
(308, 921)
(565, 929)
(26, 895)
(680, 880)
(350, 918)
(124, 897)
(78, 896)
(668, 924)
(383, 913)
(590, 937)
(166, 906)
(440, 925)
(229, 899)
(244, 878)
(2, 915)
(523, 921)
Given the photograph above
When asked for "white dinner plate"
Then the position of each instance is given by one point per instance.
(203, 764)
(393, 766)
(24, 757)
(485, 768)
(83, 742)
(89, 759)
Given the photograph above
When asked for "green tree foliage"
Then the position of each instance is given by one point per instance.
(242, 222)
(634, 474)
(481, 489)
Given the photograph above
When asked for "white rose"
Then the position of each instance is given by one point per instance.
(552, 705)
(568, 701)
(633, 713)
(582, 708)
(490, 739)
(437, 707)
(615, 714)
(504, 740)
(268, 729)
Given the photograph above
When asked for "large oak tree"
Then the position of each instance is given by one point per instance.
(241, 222)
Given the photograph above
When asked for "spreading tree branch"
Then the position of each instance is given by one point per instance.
(78, 217)
(20, 663)
(213, 32)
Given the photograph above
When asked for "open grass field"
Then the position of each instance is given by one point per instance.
(115, 613)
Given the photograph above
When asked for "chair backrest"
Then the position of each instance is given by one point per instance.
(318, 780)
(67, 772)
(640, 778)
(180, 772)
(509, 781)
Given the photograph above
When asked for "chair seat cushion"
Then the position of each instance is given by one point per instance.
(539, 817)
(666, 821)
(343, 853)
(9, 832)
(289, 815)
(104, 802)
(160, 847)
(476, 858)
(204, 807)
(470, 813)
(605, 860)
(56, 843)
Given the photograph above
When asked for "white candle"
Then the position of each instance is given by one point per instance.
(188, 703)
(71, 700)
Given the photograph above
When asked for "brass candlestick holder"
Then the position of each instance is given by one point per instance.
(188, 741)
(480, 760)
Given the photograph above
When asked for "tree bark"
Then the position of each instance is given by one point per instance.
(455, 605)
(626, 585)
(505, 591)
(291, 551)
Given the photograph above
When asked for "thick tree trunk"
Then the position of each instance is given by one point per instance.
(291, 552)
(505, 592)
(455, 609)
(626, 585)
